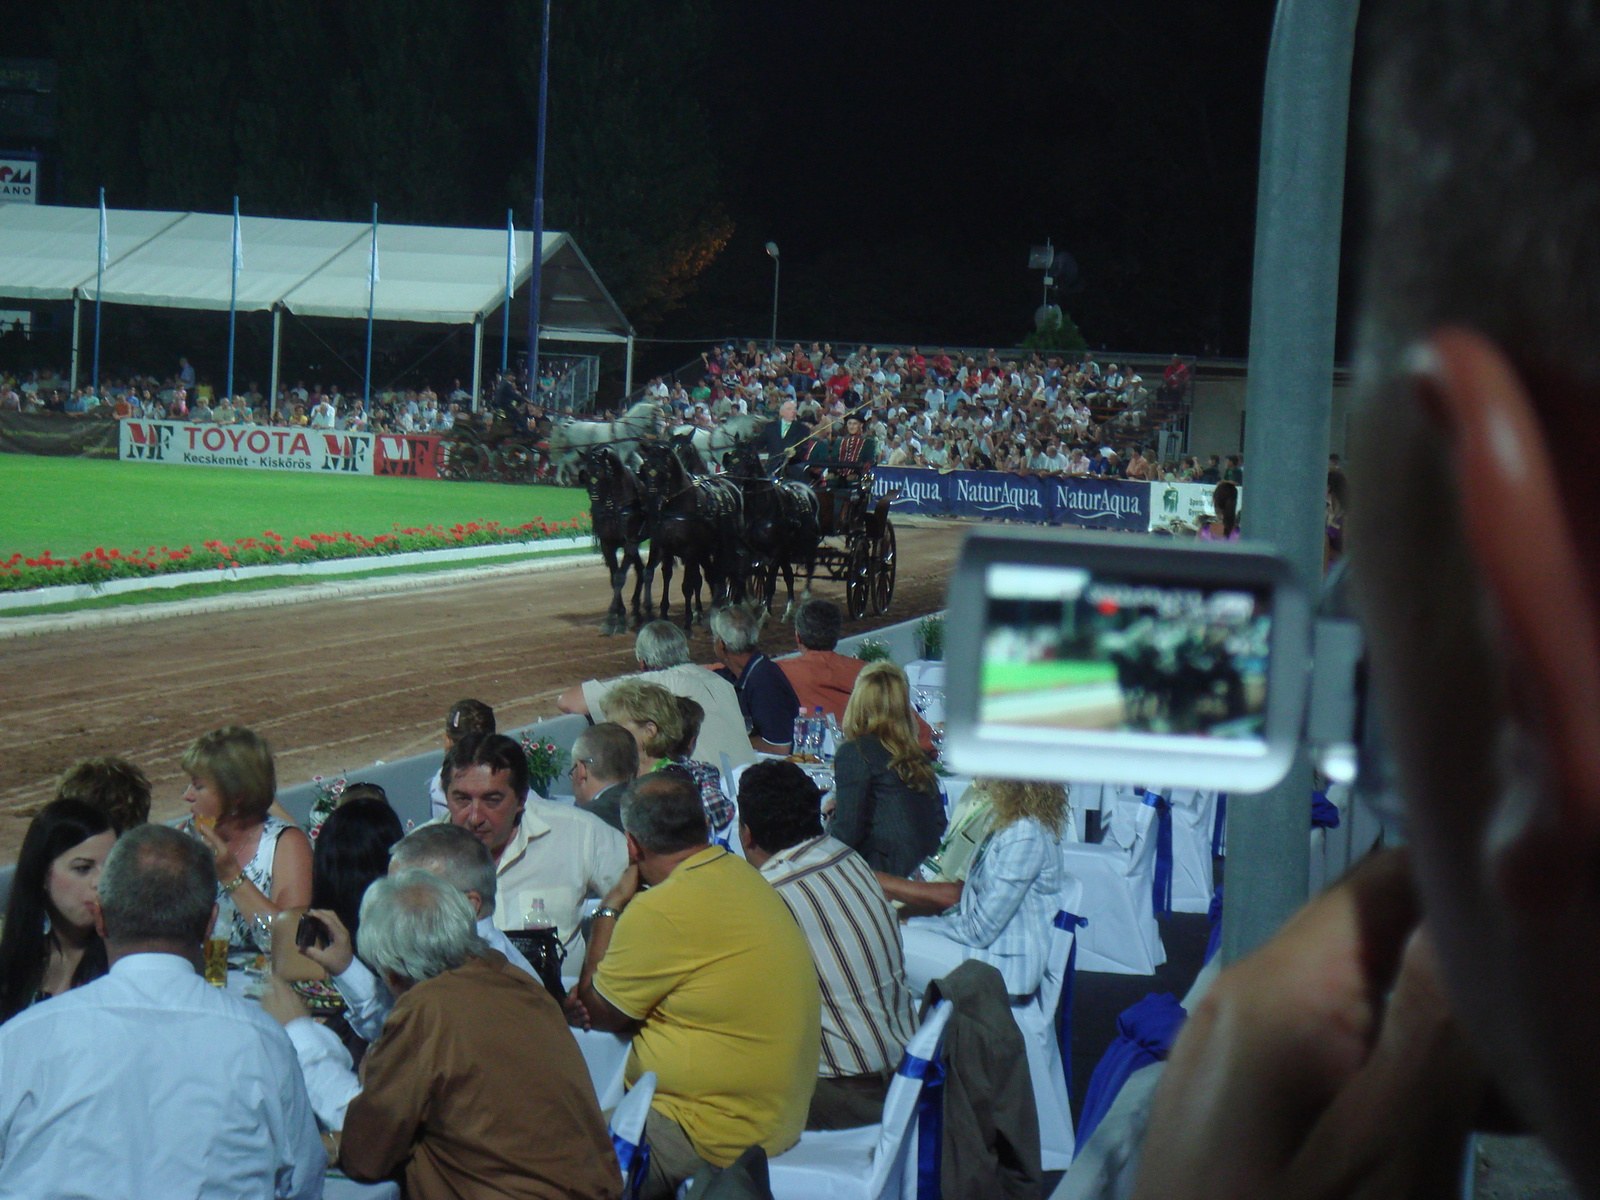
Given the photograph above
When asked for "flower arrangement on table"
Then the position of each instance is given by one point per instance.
(323, 801)
(546, 761)
(870, 650)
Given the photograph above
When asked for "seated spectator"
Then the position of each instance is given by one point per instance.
(605, 759)
(351, 850)
(475, 1086)
(464, 717)
(49, 943)
(546, 851)
(866, 1010)
(662, 651)
(709, 972)
(113, 785)
(149, 1081)
(1003, 913)
(765, 697)
(887, 804)
(1213, 472)
(1234, 471)
(263, 862)
(719, 809)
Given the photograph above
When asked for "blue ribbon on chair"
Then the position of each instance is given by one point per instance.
(1145, 1033)
(1162, 891)
(930, 1120)
(635, 1163)
(1071, 921)
(1324, 812)
(1214, 912)
(1219, 826)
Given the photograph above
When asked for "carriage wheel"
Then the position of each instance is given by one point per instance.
(883, 580)
(859, 570)
(516, 464)
(462, 460)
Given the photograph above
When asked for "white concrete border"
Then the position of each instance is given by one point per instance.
(66, 593)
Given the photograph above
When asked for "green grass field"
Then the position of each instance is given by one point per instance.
(69, 505)
(1001, 679)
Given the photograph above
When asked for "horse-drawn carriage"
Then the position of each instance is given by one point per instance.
(484, 448)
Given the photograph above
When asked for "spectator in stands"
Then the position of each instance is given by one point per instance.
(605, 759)
(113, 785)
(148, 1081)
(855, 941)
(765, 697)
(263, 862)
(886, 796)
(1233, 472)
(445, 1092)
(49, 943)
(710, 973)
(323, 414)
(662, 652)
(1213, 471)
(465, 717)
(550, 852)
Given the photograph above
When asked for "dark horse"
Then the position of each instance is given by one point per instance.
(780, 527)
(693, 518)
(618, 516)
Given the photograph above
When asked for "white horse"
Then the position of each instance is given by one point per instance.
(571, 440)
(714, 444)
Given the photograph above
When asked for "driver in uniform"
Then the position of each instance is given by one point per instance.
(851, 457)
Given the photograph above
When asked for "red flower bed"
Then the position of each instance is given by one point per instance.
(100, 564)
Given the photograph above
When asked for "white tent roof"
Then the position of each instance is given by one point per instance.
(312, 268)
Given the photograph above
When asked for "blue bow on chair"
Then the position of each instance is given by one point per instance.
(1066, 920)
(1162, 893)
(930, 1120)
(635, 1163)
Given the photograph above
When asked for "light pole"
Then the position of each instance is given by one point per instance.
(772, 345)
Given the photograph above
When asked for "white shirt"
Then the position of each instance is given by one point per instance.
(151, 1082)
(723, 729)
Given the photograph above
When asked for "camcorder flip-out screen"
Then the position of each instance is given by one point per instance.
(1083, 656)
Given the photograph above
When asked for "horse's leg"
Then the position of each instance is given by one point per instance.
(788, 583)
(691, 592)
(616, 615)
(632, 557)
(649, 582)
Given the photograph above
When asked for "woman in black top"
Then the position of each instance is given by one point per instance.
(887, 802)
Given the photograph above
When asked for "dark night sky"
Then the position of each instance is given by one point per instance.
(903, 156)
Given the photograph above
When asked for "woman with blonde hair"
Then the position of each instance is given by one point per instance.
(887, 803)
(651, 714)
(1003, 912)
(263, 862)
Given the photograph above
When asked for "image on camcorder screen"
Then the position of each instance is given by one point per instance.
(1066, 650)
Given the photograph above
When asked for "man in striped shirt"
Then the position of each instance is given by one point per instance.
(866, 1009)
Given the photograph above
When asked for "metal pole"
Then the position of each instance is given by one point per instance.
(233, 293)
(1288, 397)
(627, 377)
(477, 357)
(99, 278)
(372, 293)
(537, 256)
(277, 328)
(72, 384)
(511, 283)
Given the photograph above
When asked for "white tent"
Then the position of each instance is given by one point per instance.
(426, 273)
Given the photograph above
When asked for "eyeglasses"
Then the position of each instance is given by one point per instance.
(572, 770)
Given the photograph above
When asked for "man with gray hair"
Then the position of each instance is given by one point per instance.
(148, 1081)
(476, 1086)
(767, 701)
(663, 654)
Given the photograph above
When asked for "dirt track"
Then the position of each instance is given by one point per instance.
(340, 683)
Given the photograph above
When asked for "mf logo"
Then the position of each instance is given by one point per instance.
(346, 453)
(400, 455)
(147, 441)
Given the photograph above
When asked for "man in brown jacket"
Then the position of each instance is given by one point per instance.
(476, 1087)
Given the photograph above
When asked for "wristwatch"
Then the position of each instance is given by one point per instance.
(607, 911)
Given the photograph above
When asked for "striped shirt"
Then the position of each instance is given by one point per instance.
(866, 1007)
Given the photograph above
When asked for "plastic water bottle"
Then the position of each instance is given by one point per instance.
(798, 741)
(814, 728)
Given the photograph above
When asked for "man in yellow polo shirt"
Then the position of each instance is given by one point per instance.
(710, 973)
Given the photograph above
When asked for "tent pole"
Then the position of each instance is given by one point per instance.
(277, 328)
(477, 357)
(72, 384)
(627, 376)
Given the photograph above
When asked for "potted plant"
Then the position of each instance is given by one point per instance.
(930, 636)
(870, 650)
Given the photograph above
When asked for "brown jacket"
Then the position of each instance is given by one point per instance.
(477, 1088)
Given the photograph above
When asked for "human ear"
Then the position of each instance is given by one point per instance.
(1522, 539)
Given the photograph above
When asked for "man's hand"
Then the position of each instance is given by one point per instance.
(1300, 1073)
(281, 1002)
(336, 956)
(577, 1014)
(624, 890)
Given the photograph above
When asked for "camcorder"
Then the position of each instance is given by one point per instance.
(1080, 655)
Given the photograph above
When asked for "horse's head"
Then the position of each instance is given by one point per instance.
(659, 473)
(683, 448)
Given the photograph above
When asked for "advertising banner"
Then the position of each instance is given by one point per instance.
(996, 494)
(411, 455)
(1101, 503)
(257, 446)
(920, 490)
(19, 178)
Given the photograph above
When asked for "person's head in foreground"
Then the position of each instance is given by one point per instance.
(351, 850)
(779, 807)
(1475, 557)
(114, 785)
(485, 779)
(817, 625)
(603, 755)
(157, 894)
(649, 712)
(232, 780)
(664, 822)
(450, 853)
(415, 926)
(880, 707)
(659, 645)
(50, 913)
(467, 716)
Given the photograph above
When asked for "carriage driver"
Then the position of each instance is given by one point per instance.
(785, 444)
(850, 460)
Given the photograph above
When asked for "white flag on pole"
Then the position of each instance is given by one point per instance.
(511, 253)
(238, 246)
(105, 241)
(372, 271)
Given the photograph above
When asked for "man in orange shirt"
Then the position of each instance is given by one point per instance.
(822, 676)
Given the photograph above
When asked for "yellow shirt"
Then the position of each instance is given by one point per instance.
(713, 963)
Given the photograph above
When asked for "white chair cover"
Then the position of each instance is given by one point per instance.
(875, 1162)
(1037, 1021)
(627, 1133)
(337, 1187)
(1122, 936)
(1194, 815)
(606, 1056)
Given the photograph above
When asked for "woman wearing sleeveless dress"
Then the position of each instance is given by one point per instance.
(263, 862)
